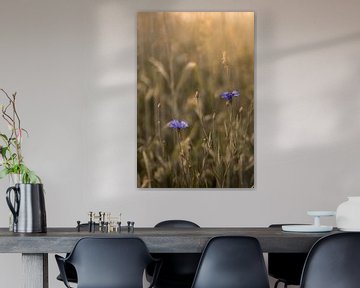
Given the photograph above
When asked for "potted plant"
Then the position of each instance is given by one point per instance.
(26, 198)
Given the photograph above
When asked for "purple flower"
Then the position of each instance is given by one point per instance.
(178, 124)
(229, 95)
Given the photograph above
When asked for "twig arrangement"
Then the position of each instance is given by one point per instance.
(12, 160)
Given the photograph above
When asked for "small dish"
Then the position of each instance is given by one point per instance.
(321, 213)
(316, 227)
(306, 228)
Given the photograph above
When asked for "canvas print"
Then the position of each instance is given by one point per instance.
(195, 100)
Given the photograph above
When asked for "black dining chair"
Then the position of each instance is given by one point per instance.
(333, 262)
(70, 271)
(232, 262)
(178, 269)
(108, 263)
(286, 267)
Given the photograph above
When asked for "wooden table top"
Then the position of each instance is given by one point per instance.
(158, 240)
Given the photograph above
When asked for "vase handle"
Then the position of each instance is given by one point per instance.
(13, 208)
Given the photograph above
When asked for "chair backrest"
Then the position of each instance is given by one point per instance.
(178, 269)
(287, 267)
(333, 262)
(232, 262)
(176, 224)
(110, 262)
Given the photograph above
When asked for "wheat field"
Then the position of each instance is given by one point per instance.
(195, 100)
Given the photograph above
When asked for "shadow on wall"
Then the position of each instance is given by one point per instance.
(310, 47)
(307, 115)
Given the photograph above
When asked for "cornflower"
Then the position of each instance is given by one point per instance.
(178, 124)
(228, 96)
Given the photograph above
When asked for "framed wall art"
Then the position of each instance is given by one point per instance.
(195, 100)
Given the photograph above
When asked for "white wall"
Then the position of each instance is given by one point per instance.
(73, 64)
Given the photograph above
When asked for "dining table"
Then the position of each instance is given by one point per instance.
(35, 247)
